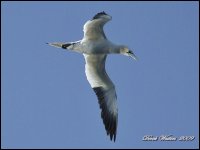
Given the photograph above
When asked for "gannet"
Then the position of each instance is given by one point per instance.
(95, 47)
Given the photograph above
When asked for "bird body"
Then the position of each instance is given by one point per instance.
(95, 46)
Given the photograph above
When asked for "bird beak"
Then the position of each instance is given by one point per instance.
(131, 54)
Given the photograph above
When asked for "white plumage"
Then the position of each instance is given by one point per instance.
(95, 47)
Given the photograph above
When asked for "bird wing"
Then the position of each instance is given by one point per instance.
(93, 29)
(105, 91)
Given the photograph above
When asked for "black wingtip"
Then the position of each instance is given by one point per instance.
(109, 120)
(113, 137)
(47, 43)
(98, 15)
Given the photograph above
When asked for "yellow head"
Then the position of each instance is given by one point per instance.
(124, 50)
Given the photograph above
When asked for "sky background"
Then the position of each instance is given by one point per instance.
(47, 101)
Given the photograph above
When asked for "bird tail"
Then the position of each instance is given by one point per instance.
(69, 45)
(60, 45)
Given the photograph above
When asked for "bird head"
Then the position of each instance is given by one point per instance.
(124, 50)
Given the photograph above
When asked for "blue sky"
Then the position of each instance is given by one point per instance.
(47, 101)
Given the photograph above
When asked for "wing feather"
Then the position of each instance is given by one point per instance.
(105, 91)
(93, 29)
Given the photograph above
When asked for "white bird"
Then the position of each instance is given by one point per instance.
(95, 47)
